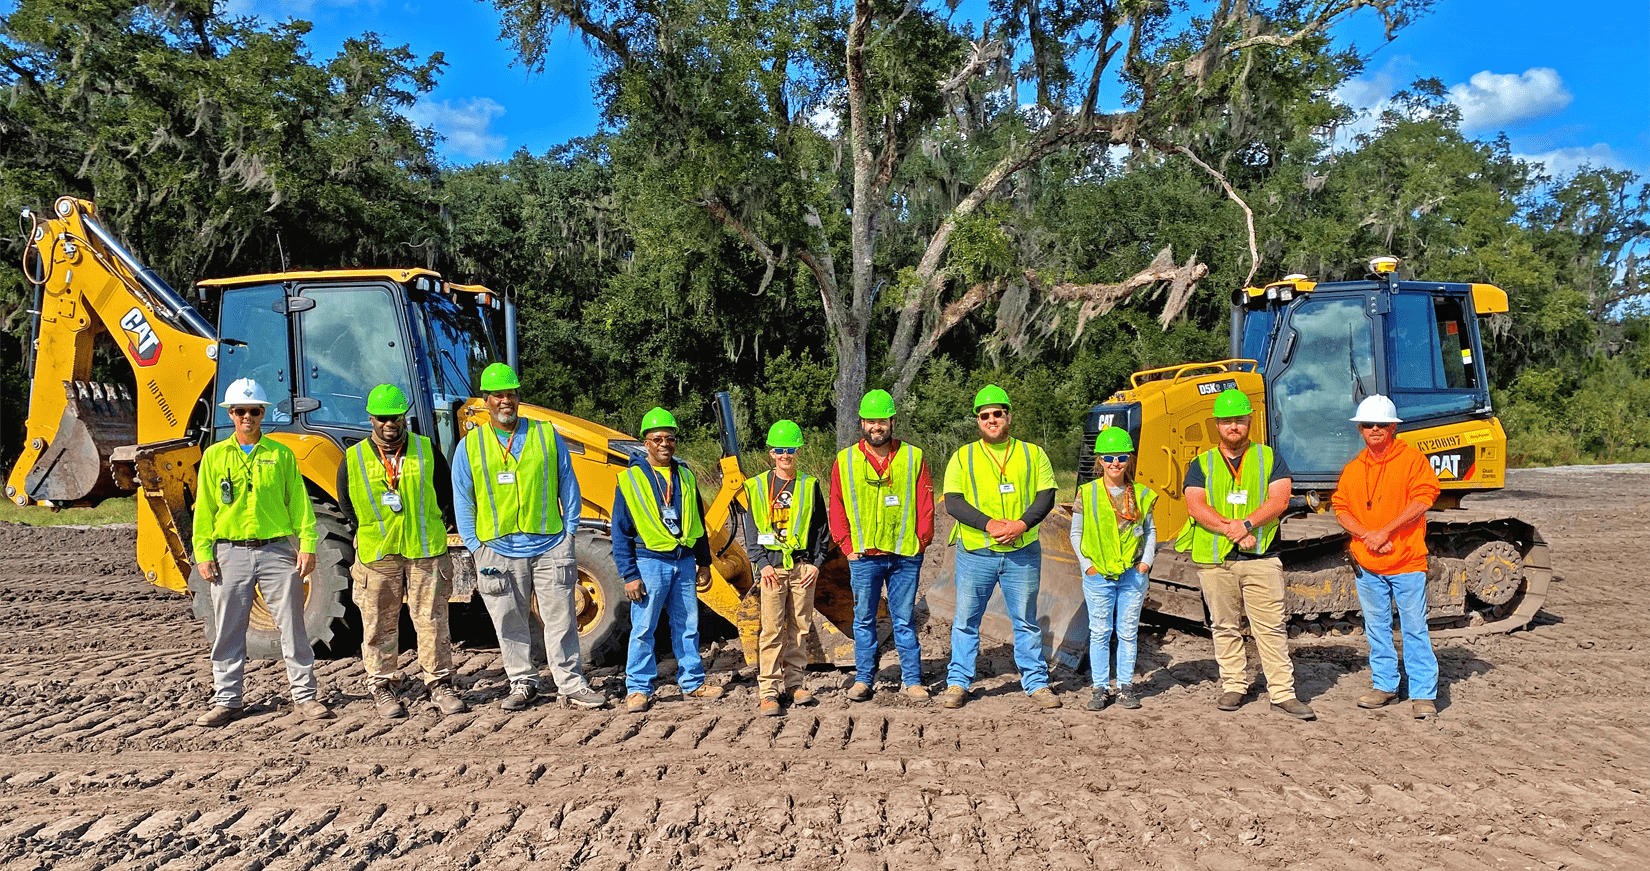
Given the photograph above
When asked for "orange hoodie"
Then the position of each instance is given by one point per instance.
(1375, 491)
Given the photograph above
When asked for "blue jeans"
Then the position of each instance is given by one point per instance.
(977, 574)
(869, 575)
(668, 588)
(1114, 605)
(1376, 593)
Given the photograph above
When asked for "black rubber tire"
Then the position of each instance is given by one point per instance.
(604, 627)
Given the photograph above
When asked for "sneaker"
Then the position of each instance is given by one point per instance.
(706, 692)
(218, 716)
(1424, 708)
(1046, 699)
(859, 693)
(1229, 701)
(521, 695)
(315, 710)
(1100, 699)
(587, 698)
(1376, 699)
(385, 701)
(769, 707)
(635, 703)
(800, 696)
(1126, 697)
(1296, 708)
(917, 692)
(954, 697)
(445, 698)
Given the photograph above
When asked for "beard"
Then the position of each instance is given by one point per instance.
(505, 419)
(877, 441)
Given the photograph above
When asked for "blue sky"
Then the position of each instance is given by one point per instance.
(1567, 84)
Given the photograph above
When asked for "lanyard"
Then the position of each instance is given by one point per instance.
(1235, 468)
(509, 446)
(885, 475)
(1002, 467)
(392, 464)
(669, 486)
(1369, 496)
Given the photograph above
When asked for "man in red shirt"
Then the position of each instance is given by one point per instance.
(882, 516)
(1382, 500)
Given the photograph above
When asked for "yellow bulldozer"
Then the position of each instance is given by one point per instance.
(1306, 354)
(317, 341)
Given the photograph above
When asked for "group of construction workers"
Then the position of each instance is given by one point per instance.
(512, 495)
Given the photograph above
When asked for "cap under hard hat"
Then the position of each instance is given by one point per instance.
(1377, 409)
(243, 391)
(1232, 402)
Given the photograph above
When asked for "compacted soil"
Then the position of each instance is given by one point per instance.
(1539, 759)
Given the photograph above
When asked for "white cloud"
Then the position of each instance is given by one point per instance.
(464, 124)
(1489, 100)
(1562, 162)
(1369, 97)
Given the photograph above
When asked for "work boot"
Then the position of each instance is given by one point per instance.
(954, 697)
(800, 696)
(218, 716)
(1100, 699)
(1425, 709)
(385, 701)
(316, 710)
(769, 707)
(636, 703)
(442, 694)
(521, 695)
(706, 692)
(1229, 701)
(1046, 699)
(1126, 697)
(1376, 699)
(859, 693)
(1296, 708)
(587, 698)
(917, 692)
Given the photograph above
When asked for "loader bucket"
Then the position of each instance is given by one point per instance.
(1061, 611)
(74, 467)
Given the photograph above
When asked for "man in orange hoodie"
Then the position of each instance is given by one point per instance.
(1382, 500)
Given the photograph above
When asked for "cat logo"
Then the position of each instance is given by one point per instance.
(141, 342)
(1456, 465)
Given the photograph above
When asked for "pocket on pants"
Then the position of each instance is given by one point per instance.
(562, 572)
(492, 585)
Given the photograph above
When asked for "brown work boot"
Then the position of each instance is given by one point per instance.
(315, 710)
(385, 701)
(1296, 708)
(1229, 701)
(954, 697)
(800, 696)
(917, 692)
(1425, 709)
(859, 693)
(521, 695)
(1376, 699)
(1046, 699)
(636, 703)
(218, 716)
(769, 707)
(442, 694)
(706, 692)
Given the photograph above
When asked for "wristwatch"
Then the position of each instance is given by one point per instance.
(1247, 526)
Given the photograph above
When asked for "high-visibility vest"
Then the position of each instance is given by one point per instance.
(759, 493)
(1210, 548)
(417, 530)
(529, 501)
(1110, 549)
(875, 522)
(983, 479)
(645, 509)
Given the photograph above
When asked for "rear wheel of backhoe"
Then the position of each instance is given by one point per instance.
(603, 610)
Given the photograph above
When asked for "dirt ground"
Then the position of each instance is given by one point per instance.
(1539, 759)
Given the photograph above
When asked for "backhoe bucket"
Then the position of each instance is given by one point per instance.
(75, 467)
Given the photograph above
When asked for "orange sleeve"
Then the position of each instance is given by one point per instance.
(1423, 486)
(1350, 474)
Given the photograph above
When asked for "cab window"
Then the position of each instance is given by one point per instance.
(352, 342)
(1328, 367)
(255, 345)
(1433, 370)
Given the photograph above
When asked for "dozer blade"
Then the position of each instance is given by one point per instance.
(75, 467)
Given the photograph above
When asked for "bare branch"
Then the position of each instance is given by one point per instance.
(949, 317)
(720, 213)
(1097, 299)
(981, 54)
(1231, 193)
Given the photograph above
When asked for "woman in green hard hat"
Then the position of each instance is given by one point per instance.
(786, 542)
(1114, 539)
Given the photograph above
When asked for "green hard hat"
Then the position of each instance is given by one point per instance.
(658, 418)
(876, 405)
(784, 434)
(991, 394)
(385, 400)
(1113, 440)
(1232, 402)
(499, 377)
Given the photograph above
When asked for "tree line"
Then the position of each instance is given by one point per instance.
(798, 201)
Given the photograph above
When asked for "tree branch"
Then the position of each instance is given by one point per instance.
(1231, 193)
(949, 317)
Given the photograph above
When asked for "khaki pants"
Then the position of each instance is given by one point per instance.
(780, 652)
(379, 588)
(1254, 588)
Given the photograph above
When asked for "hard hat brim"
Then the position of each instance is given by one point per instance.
(263, 402)
(1375, 418)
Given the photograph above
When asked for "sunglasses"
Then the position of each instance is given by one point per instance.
(993, 414)
(1362, 425)
(662, 440)
(246, 412)
(1114, 458)
(386, 418)
(784, 452)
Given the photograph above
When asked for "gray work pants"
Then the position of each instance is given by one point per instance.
(550, 578)
(245, 571)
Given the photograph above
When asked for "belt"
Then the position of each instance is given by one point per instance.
(251, 542)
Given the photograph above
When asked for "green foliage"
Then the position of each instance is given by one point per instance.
(796, 388)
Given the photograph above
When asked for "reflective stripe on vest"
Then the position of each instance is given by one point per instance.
(645, 511)
(1209, 548)
(1112, 550)
(529, 503)
(795, 539)
(417, 530)
(873, 524)
(994, 504)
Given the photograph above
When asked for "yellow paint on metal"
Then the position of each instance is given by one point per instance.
(1488, 299)
(400, 276)
(318, 458)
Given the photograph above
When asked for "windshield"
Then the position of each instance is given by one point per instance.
(352, 343)
(255, 346)
(1319, 385)
(460, 345)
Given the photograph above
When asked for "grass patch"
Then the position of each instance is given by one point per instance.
(110, 511)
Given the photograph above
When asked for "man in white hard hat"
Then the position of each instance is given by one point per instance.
(1382, 500)
(252, 502)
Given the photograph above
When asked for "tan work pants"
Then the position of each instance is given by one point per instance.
(426, 584)
(780, 652)
(1254, 588)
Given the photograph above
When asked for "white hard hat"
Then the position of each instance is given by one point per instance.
(1376, 409)
(244, 391)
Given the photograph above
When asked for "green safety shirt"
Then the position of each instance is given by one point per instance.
(514, 494)
(414, 531)
(1233, 499)
(1112, 550)
(1001, 481)
(648, 516)
(267, 497)
(759, 494)
(881, 508)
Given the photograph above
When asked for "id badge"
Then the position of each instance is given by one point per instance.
(1005, 488)
(392, 501)
(890, 501)
(1237, 497)
(767, 539)
(670, 513)
(507, 477)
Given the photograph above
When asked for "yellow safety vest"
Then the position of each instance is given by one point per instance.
(417, 530)
(1232, 500)
(882, 511)
(758, 492)
(528, 500)
(646, 511)
(983, 493)
(1112, 550)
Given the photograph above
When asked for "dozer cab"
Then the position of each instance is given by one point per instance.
(1306, 354)
(317, 342)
